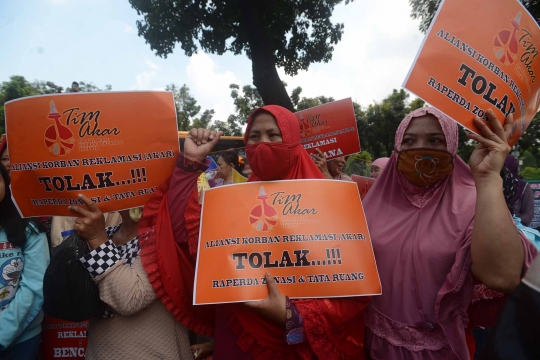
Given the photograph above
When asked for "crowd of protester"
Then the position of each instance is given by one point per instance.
(449, 254)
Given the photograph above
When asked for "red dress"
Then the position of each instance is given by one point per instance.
(334, 328)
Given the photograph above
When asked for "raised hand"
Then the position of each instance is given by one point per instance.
(199, 143)
(274, 307)
(488, 158)
(90, 226)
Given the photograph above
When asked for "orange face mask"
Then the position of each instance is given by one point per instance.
(424, 167)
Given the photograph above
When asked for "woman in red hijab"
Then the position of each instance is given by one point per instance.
(276, 327)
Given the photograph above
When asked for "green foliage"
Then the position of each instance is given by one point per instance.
(417, 104)
(88, 87)
(18, 87)
(466, 146)
(528, 160)
(204, 121)
(245, 103)
(288, 34)
(425, 10)
(295, 96)
(249, 99)
(230, 127)
(530, 173)
(530, 141)
(47, 87)
(363, 156)
(300, 32)
(528, 144)
(186, 105)
(358, 164)
(307, 103)
(377, 125)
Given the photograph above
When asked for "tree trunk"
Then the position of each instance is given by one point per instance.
(265, 76)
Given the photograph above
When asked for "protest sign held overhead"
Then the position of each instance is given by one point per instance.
(480, 55)
(115, 148)
(297, 230)
(331, 128)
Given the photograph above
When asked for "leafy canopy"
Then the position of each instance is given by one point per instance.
(300, 32)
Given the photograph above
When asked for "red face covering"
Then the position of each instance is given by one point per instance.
(263, 153)
(280, 161)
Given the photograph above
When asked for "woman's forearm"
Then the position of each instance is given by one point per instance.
(126, 289)
(496, 249)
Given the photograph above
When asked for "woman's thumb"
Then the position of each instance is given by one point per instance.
(216, 138)
(272, 285)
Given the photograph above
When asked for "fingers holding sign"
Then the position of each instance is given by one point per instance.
(202, 351)
(274, 306)
(320, 161)
(508, 126)
(90, 225)
(488, 158)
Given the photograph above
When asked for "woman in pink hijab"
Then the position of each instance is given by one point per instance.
(378, 166)
(438, 227)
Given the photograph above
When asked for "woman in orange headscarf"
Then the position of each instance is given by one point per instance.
(298, 329)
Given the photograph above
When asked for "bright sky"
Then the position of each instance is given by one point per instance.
(96, 41)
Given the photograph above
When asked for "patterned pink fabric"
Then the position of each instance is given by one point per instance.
(481, 292)
(419, 196)
(411, 338)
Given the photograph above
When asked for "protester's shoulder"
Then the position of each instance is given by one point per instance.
(34, 233)
(32, 227)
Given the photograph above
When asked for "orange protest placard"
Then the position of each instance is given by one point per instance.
(115, 148)
(299, 230)
(480, 55)
(331, 128)
(364, 184)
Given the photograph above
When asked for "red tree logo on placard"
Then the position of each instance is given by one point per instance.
(58, 138)
(263, 217)
(305, 126)
(506, 43)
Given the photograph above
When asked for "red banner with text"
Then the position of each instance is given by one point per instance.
(364, 184)
(63, 339)
(331, 128)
